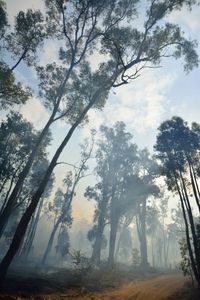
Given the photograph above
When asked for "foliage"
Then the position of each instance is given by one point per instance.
(177, 147)
(185, 264)
(63, 242)
(17, 137)
(135, 258)
(80, 261)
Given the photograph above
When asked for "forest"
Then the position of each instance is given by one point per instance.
(94, 202)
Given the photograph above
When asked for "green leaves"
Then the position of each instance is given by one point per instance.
(11, 92)
(28, 34)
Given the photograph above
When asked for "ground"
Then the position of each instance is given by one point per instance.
(96, 285)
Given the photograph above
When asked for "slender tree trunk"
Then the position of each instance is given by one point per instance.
(31, 232)
(119, 243)
(7, 194)
(3, 184)
(194, 187)
(125, 225)
(142, 236)
(192, 226)
(195, 179)
(50, 242)
(23, 224)
(12, 199)
(152, 252)
(184, 209)
(113, 235)
(164, 244)
(96, 253)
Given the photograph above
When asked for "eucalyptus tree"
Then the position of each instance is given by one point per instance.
(63, 242)
(124, 235)
(18, 137)
(35, 175)
(115, 157)
(148, 171)
(62, 213)
(152, 225)
(18, 43)
(82, 28)
(177, 149)
(129, 51)
(61, 207)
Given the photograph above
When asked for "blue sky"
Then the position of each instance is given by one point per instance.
(155, 96)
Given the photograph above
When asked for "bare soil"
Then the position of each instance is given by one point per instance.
(96, 285)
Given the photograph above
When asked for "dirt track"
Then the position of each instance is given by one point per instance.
(159, 288)
(152, 289)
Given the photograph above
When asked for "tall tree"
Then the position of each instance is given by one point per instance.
(177, 147)
(63, 200)
(149, 46)
(18, 137)
(148, 171)
(20, 43)
(91, 22)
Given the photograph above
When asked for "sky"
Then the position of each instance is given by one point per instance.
(158, 94)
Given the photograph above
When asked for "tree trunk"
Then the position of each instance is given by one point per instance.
(113, 234)
(31, 233)
(193, 264)
(23, 224)
(50, 242)
(192, 226)
(194, 186)
(96, 253)
(12, 199)
(142, 235)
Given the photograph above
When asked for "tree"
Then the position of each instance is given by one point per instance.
(21, 43)
(115, 159)
(63, 98)
(62, 201)
(63, 242)
(148, 171)
(152, 225)
(149, 47)
(62, 210)
(18, 137)
(36, 173)
(177, 147)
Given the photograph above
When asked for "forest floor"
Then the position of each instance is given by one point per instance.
(96, 285)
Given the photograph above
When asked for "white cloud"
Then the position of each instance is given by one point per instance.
(35, 113)
(49, 52)
(141, 105)
(13, 7)
(189, 21)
